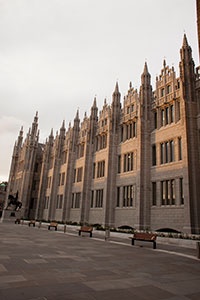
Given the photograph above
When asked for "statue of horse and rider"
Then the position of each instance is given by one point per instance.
(14, 201)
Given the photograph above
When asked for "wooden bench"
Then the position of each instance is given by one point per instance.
(31, 222)
(54, 225)
(85, 228)
(144, 236)
(17, 221)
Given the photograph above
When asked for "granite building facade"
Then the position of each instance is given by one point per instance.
(135, 162)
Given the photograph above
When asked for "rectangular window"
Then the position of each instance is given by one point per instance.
(73, 198)
(99, 198)
(122, 133)
(93, 170)
(181, 191)
(134, 129)
(171, 150)
(74, 177)
(166, 152)
(168, 192)
(128, 162)
(162, 92)
(179, 148)
(172, 113)
(62, 178)
(97, 143)
(77, 200)
(119, 164)
(172, 191)
(118, 197)
(92, 199)
(154, 155)
(162, 153)
(128, 196)
(57, 201)
(79, 174)
(162, 189)
(178, 111)
(166, 115)
(154, 200)
(155, 120)
(162, 117)
(101, 169)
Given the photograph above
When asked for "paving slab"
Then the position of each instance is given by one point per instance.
(38, 264)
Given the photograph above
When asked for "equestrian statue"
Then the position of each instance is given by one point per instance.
(14, 201)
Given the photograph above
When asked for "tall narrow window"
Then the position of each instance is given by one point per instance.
(134, 129)
(179, 148)
(74, 177)
(99, 198)
(77, 200)
(155, 120)
(128, 196)
(92, 199)
(122, 132)
(162, 117)
(153, 155)
(162, 153)
(172, 192)
(178, 111)
(162, 189)
(73, 197)
(154, 200)
(171, 150)
(119, 164)
(118, 197)
(167, 115)
(79, 174)
(181, 190)
(172, 113)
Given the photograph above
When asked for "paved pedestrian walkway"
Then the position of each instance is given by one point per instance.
(38, 264)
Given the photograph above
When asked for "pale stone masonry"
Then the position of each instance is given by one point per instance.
(135, 163)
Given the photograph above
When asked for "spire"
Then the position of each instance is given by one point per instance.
(77, 115)
(36, 117)
(145, 72)
(63, 125)
(185, 42)
(95, 102)
(20, 137)
(94, 109)
(145, 77)
(51, 133)
(116, 88)
(164, 63)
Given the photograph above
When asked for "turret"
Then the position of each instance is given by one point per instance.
(145, 77)
(116, 108)
(187, 73)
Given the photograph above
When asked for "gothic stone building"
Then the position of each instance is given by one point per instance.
(134, 163)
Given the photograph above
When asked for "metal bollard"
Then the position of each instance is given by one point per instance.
(65, 228)
(107, 234)
(198, 250)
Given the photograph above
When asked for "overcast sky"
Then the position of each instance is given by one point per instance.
(57, 55)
